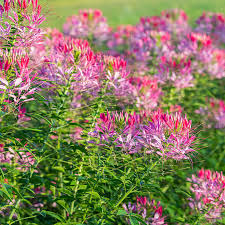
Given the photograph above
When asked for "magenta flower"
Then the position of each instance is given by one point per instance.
(21, 115)
(88, 23)
(150, 211)
(209, 190)
(206, 58)
(169, 136)
(196, 45)
(72, 60)
(146, 91)
(175, 69)
(119, 40)
(177, 21)
(216, 64)
(212, 24)
(214, 113)
(16, 84)
(153, 23)
(19, 32)
(24, 17)
(22, 159)
(120, 129)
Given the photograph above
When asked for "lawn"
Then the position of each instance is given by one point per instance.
(125, 11)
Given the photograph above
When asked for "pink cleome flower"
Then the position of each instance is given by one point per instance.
(20, 20)
(214, 112)
(212, 24)
(169, 136)
(175, 69)
(146, 91)
(86, 24)
(150, 211)
(209, 190)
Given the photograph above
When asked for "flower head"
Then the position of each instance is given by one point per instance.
(209, 190)
(88, 23)
(150, 211)
(169, 136)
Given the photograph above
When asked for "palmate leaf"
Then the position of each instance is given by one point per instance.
(122, 212)
(135, 219)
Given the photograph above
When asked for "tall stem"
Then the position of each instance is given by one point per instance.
(13, 211)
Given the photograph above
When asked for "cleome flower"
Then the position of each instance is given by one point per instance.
(146, 91)
(169, 136)
(176, 20)
(72, 60)
(209, 194)
(214, 112)
(19, 32)
(17, 83)
(21, 158)
(176, 69)
(150, 211)
(144, 45)
(88, 24)
(21, 19)
(120, 129)
(212, 24)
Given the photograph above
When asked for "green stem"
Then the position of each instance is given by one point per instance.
(2, 98)
(60, 165)
(76, 188)
(121, 200)
(13, 212)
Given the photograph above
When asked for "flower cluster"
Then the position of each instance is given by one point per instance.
(175, 69)
(177, 21)
(150, 211)
(17, 83)
(19, 33)
(209, 190)
(147, 92)
(169, 136)
(67, 60)
(65, 147)
(206, 58)
(118, 40)
(120, 129)
(19, 23)
(212, 24)
(88, 23)
(214, 113)
(153, 38)
(21, 158)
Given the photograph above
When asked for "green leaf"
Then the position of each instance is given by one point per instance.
(59, 168)
(94, 194)
(52, 214)
(82, 187)
(7, 190)
(138, 218)
(121, 212)
(133, 220)
(63, 204)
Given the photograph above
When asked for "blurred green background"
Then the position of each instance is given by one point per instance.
(125, 11)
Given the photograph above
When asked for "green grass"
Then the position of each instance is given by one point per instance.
(125, 11)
